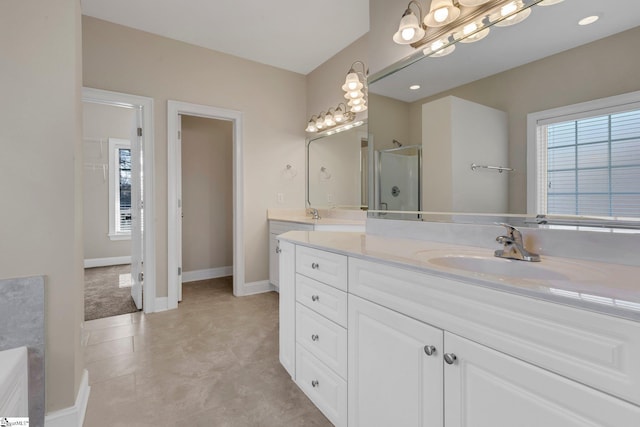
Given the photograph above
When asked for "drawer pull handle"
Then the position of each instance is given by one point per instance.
(430, 350)
(315, 383)
(450, 358)
(315, 298)
(315, 265)
(315, 337)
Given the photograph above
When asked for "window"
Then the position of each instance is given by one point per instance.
(119, 189)
(587, 159)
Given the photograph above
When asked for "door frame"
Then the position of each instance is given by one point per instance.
(118, 99)
(174, 171)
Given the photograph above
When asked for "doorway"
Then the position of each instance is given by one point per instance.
(120, 234)
(176, 110)
(207, 204)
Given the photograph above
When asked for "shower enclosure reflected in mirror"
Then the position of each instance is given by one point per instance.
(398, 172)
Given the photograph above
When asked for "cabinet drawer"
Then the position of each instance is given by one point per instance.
(326, 267)
(325, 300)
(325, 339)
(597, 350)
(325, 389)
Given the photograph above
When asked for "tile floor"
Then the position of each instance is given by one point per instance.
(211, 362)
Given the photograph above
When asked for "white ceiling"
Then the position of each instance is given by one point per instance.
(548, 30)
(290, 34)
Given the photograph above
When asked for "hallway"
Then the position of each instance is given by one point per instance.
(211, 362)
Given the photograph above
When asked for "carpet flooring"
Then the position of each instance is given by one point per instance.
(107, 292)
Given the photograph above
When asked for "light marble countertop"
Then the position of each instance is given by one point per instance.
(327, 217)
(607, 288)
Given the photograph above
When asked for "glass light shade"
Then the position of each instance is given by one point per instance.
(470, 36)
(409, 30)
(320, 122)
(549, 2)
(359, 108)
(588, 20)
(473, 3)
(515, 18)
(356, 101)
(441, 13)
(328, 120)
(508, 9)
(352, 83)
(338, 116)
(436, 50)
(355, 94)
(311, 126)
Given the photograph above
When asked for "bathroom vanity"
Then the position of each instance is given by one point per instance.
(386, 331)
(283, 220)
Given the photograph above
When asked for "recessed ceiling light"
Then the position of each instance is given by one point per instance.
(588, 20)
(414, 87)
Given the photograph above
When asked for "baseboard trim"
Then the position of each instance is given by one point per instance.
(73, 415)
(162, 304)
(258, 287)
(209, 273)
(105, 262)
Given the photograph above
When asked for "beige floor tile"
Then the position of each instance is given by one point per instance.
(107, 349)
(212, 362)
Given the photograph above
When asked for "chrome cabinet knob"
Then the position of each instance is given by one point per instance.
(315, 337)
(315, 298)
(430, 350)
(315, 265)
(450, 358)
(315, 383)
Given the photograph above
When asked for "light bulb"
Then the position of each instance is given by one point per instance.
(356, 108)
(441, 15)
(436, 45)
(319, 122)
(408, 33)
(468, 29)
(338, 116)
(356, 101)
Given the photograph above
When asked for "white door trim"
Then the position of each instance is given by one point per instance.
(174, 109)
(134, 101)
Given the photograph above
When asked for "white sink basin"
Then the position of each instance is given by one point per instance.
(498, 267)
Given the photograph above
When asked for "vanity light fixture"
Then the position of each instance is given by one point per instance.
(467, 21)
(332, 118)
(410, 29)
(355, 87)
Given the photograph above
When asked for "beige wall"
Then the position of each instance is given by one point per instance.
(41, 173)
(273, 102)
(600, 69)
(389, 120)
(207, 193)
(101, 122)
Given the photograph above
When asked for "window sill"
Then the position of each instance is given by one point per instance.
(120, 236)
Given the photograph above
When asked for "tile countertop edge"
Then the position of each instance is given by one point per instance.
(346, 243)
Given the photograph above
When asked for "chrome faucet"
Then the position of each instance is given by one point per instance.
(314, 212)
(514, 246)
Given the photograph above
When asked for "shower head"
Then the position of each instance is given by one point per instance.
(397, 143)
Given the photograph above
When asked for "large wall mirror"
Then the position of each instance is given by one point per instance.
(338, 168)
(469, 111)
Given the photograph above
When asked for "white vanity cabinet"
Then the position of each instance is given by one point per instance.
(424, 350)
(276, 228)
(395, 368)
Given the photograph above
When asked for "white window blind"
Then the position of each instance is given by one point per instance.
(589, 163)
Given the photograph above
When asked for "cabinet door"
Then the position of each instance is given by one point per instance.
(486, 388)
(288, 308)
(274, 260)
(392, 379)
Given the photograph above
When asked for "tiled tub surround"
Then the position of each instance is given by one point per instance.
(22, 324)
(567, 339)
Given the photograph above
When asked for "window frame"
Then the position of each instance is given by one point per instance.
(583, 110)
(115, 145)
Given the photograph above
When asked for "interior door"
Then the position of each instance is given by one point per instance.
(179, 215)
(137, 205)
